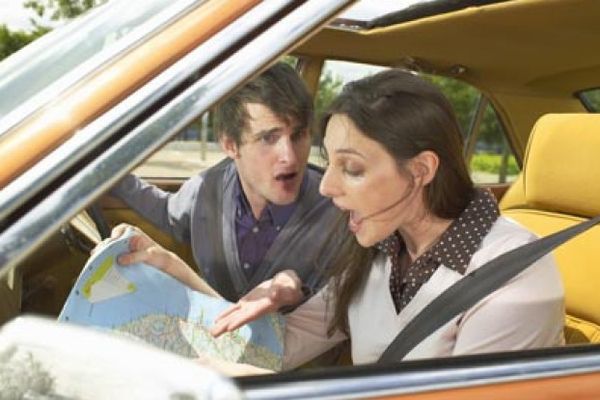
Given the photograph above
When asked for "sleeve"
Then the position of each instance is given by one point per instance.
(306, 332)
(527, 312)
(170, 212)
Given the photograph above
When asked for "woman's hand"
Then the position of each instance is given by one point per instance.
(284, 289)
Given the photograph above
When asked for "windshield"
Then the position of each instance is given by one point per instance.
(35, 75)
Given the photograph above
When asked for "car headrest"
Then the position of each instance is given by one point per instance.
(562, 164)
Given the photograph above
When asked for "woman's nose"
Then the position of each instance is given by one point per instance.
(329, 186)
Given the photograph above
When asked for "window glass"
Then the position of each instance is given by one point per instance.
(590, 99)
(490, 158)
(193, 150)
(35, 74)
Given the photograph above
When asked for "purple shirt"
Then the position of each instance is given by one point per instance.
(254, 237)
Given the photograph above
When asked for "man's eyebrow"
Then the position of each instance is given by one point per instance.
(266, 132)
(351, 151)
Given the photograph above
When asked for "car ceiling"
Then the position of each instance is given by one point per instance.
(518, 46)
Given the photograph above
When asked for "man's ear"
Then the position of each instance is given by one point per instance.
(229, 146)
(424, 166)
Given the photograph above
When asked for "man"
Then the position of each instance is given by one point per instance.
(259, 212)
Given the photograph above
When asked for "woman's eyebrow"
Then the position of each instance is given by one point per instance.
(349, 150)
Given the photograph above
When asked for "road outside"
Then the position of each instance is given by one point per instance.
(180, 159)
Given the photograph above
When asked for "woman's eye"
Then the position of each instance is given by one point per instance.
(352, 170)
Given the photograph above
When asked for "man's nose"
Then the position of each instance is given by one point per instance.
(287, 151)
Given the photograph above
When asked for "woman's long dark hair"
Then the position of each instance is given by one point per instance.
(406, 115)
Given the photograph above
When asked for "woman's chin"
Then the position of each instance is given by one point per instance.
(365, 240)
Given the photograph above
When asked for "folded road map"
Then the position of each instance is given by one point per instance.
(142, 302)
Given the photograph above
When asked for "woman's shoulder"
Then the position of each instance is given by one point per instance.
(507, 232)
(505, 235)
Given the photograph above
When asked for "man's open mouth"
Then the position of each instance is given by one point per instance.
(286, 177)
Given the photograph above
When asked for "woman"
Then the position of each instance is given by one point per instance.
(396, 168)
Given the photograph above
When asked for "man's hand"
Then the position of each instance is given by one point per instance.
(142, 249)
(284, 289)
(145, 250)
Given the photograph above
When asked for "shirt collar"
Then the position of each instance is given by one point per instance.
(463, 237)
(279, 214)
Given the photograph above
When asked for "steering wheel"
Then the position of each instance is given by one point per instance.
(97, 216)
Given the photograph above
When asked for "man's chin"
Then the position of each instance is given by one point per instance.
(284, 202)
(284, 199)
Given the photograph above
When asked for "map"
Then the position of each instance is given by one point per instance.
(146, 304)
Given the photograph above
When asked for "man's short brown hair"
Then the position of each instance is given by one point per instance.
(279, 88)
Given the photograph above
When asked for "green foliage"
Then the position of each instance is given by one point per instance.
(330, 86)
(290, 60)
(485, 162)
(61, 9)
(11, 41)
(464, 99)
(593, 98)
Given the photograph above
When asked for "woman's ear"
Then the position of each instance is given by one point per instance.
(424, 166)
(229, 146)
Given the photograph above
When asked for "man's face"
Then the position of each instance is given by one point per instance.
(271, 159)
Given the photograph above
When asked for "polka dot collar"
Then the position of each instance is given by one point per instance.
(454, 249)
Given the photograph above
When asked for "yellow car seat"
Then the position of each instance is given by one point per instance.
(559, 187)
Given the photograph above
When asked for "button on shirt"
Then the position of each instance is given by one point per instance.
(254, 237)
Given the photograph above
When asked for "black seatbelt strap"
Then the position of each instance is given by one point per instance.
(475, 286)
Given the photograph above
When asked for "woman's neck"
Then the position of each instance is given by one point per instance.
(420, 234)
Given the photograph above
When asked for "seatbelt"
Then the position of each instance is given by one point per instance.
(473, 287)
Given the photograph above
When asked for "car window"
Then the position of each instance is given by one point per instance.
(191, 151)
(488, 153)
(590, 99)
(36, 74)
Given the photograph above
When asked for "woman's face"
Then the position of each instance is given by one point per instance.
(363, 179)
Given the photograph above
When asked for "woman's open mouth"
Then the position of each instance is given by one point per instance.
(354, 222)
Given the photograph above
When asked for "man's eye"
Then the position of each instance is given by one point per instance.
(269, 139)
(299, 135)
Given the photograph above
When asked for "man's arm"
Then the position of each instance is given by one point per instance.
(170, 212)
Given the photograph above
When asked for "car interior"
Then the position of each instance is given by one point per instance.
(531, 85)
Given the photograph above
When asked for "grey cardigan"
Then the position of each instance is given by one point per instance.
(202, 214)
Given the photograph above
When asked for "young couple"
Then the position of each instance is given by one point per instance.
(265, 234)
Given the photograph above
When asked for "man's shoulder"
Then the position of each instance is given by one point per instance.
(313, 175)
(311, 198)
(315, 168)
(224, 168)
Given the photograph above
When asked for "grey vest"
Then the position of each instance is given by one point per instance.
(301, 245)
